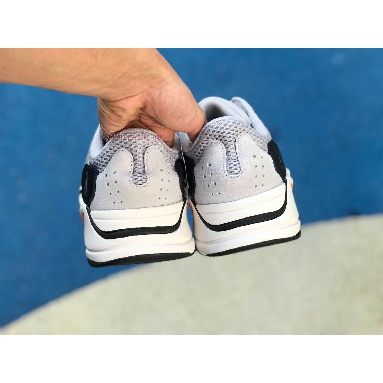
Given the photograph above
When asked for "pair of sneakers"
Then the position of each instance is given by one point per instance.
(135, 191)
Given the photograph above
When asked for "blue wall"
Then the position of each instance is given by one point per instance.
(323, 107)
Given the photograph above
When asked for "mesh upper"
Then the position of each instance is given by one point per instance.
(225, 130)
(136, 141)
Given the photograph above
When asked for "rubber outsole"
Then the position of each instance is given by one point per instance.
(255, 245)
(142, 258)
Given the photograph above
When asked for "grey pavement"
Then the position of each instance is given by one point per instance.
(327, 282)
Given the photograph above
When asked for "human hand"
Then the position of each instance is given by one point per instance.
(134, 87)
(164, 105)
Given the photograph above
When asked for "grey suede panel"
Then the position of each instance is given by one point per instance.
(213, 183)
(136, 141)
(115, 189)
(225, 130)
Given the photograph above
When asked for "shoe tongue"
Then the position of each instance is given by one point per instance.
(215, 107)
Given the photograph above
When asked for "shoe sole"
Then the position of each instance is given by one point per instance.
(263, 220)
(256, 246)
(137, 259)
(135, 236)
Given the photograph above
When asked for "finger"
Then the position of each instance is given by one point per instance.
(196, 124)
(176, 109)
(115, 115)
(165, 134)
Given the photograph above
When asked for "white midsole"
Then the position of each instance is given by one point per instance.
(285, 226)
(144, 217)
(99, 249)
(219, 213)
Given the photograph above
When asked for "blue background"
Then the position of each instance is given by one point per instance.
(324, 108)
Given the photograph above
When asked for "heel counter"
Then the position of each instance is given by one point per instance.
(116, 188)
(257, 173)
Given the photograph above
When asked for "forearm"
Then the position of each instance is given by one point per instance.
(110, 74)
(134, 87)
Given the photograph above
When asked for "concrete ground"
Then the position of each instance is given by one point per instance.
(327, 282)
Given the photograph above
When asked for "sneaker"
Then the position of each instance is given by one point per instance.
(241, 194)
(133, 200)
